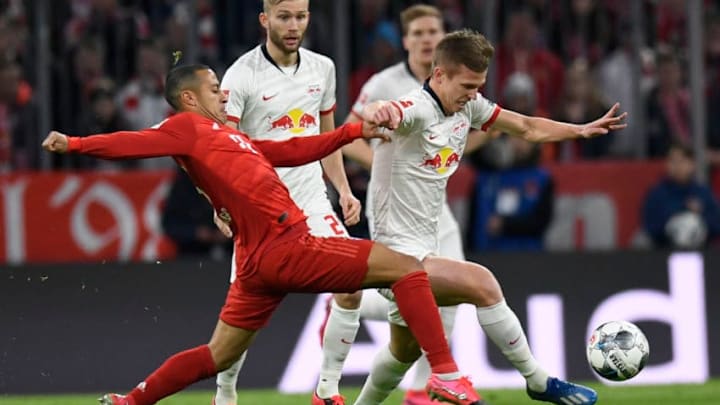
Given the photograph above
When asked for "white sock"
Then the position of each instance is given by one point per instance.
(503, 327)
(422, 371)
(374, 306)
(226, 393)
(385, 375)
(340, 332)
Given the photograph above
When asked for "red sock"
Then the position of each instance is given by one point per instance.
(417, 306)
(176, 373)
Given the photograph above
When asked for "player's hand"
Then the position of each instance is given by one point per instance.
(383, 113)
(222, 225)
(371, 130)
(608, 122)
(350, 208)
(55, 142)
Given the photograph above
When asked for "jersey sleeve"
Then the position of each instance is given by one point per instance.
(301, 150)
(413, 115)
(327, 105)
(483, 112)
(172, 137)
(237, 83)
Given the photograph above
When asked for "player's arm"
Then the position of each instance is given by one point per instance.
(358, 150)
(477, 138)
(334, 169)
(536, 129)
(123, 144)
(302, 150)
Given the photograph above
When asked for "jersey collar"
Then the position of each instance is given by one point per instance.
(267, 56)
(427, 88)
(409, 71)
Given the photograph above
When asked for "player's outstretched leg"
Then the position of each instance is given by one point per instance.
(226, 381)
(392, 362)
(475, 284)
(417, 395)
(338, 335)
(190, 366)
(415, 301)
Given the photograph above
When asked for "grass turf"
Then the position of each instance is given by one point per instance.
(705, 394)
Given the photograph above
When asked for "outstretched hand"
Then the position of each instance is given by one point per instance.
(55, 142)
(608, 122)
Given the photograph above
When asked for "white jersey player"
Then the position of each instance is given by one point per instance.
(269, 101)
(431, 126)
(422, 30)
(277, 91)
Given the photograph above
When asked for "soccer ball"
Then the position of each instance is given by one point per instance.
(617, 350)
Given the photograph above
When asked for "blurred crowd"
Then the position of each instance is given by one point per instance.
(563, 59)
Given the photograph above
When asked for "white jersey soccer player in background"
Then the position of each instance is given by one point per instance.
(277, 91)
(409, 192)
(422, 28)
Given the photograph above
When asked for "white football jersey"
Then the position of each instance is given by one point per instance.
(411, 172)
(388, 84)
(274, 102)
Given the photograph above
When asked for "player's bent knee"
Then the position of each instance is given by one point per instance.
(349, 301)
(485, 287)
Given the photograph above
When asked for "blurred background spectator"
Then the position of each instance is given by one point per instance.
(17, 120)
(513, 197)
(679, 212)
(513, 204)
(581, 101)
(668, 106)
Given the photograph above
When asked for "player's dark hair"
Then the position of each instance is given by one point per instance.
(181, 78)
(464, 47)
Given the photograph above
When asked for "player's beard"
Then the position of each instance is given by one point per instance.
(277, 40)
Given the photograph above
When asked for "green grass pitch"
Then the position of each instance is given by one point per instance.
(705, 394)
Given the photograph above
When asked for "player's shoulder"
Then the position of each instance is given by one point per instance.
(481, 104)
(183, 118)
(386, 77)
(315, 59)
(396, 71)
(178, 122)
(246, 63)
(415, 98)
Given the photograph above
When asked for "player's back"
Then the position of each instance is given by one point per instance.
(240, 183)
(274, 102)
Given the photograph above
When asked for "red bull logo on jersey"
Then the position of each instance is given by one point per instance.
(441, 161)
(296, 121)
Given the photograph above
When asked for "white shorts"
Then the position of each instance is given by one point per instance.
(450, 246)
(325, 224)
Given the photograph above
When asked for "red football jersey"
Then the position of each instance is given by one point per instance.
(233, 171)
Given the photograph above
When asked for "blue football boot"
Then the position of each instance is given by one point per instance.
(564, 393)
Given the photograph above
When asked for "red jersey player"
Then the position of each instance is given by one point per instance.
(279, 255)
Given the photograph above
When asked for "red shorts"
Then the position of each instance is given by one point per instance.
(295, 262)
